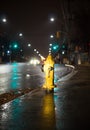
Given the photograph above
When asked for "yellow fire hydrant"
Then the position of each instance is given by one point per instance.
(49, 73)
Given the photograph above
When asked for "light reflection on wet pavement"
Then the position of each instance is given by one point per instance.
(73, 109)
(29, 112)
(73, 102)
(64, 110)
(20, 76)
(67, 109)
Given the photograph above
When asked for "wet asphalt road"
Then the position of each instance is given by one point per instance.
(68, 108)
(73, 102)
(19, 76)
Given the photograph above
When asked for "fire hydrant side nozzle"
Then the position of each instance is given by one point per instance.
(49, 73)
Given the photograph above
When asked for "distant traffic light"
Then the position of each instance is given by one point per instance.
(14, 45)
(64, 47)
(55, 47)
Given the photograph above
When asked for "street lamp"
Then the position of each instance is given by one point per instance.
(20, 34)
(29, 45)
(4, 20)
(35, 50)
(51, 36)
(52, 19)
(50, 44)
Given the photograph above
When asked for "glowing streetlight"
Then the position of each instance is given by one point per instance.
(35, 50)
(50, 44)
(52, 19)
(51, 36)
(4, 20)
(29, 45)
(20, 34)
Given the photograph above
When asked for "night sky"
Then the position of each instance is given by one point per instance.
(31, 17)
